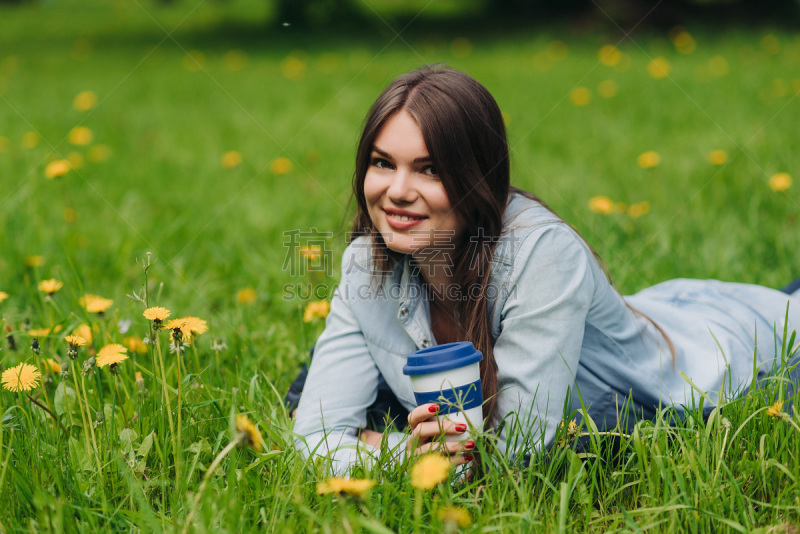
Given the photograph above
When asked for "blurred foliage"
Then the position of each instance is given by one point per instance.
(625, 13)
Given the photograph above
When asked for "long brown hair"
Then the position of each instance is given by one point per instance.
(465, 135)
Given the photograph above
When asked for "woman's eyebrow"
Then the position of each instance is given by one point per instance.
(424, 159)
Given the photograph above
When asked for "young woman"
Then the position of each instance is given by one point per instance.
(446, 250)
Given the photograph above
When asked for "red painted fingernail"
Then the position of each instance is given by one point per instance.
(433, 409)
(461, 428)
(468, 457)
(469, 445)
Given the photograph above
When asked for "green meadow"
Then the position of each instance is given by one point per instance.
(187, 155)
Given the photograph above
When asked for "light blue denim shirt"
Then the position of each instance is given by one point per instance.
(559, 327)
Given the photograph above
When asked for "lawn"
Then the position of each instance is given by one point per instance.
(215, 148)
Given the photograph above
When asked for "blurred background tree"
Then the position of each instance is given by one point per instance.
(625, 13)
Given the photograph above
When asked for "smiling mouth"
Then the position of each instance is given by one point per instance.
(404, 216)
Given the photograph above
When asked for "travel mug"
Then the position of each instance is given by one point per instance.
(449, 375)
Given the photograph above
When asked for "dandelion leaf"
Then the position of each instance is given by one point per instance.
(77, 456)
(126, 439)
(200, 447)
(65, 399)
(147, 444)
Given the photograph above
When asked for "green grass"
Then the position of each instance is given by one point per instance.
(215, 231)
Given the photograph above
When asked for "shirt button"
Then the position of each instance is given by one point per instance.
(403, 312)
(425, 343)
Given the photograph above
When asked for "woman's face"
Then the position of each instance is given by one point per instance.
(405, 198)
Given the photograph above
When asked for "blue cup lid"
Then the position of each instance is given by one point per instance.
(442, 358)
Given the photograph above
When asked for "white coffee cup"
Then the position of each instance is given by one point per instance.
(449, 376)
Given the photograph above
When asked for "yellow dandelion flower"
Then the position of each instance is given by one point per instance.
(3, 296)
(609, 55)
(280, 166)
(110, 354)
(51, 365)
(580, 96)
(771, 45)
(648, 160)
(601, 204)
(461, 47)
(156, 313)
(231, 159)
(135, 344)
(190, 326)
(293, 67)
(780, 182)
(248, 432)
(312, 252)
(194, 60)
(83, 331)
(607, 89)
(455, 515)
(50, 286)
(95, 304)
(246, 295)
(717, 157)
(429, 471)
(38, 332)
(718, 66)
(57, 168)
(84, 101)
(684, 42)
(22, 377)
(195, 326)
(76, 341)
(776, 410)
(30, 140)
(350, 486)
(34, 261)
(235, 60)
(98, 153)
(658, 68)
(557, 50)
(80, 136)
(318, 309)
(638, 209)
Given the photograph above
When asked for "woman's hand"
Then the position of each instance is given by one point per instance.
(428, 435)
(370, 437)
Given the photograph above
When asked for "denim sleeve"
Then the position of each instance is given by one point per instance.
(342, 382)
(549, 293)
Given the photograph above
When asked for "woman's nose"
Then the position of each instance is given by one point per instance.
(402, 190)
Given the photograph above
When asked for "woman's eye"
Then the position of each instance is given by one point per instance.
(430, 170)
(380, 163)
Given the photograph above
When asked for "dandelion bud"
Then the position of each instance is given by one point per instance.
(64, 374)
(35, 346)
(88, 365)
(177, 335)
(72, 352)
(139, 382)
